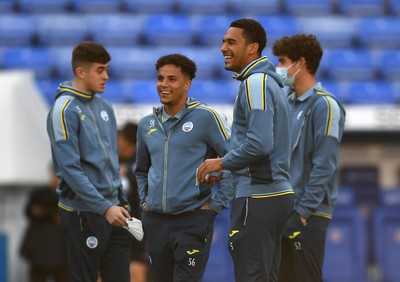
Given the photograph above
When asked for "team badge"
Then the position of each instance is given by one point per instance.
(187, 126)
(92, 242)
(104, 115)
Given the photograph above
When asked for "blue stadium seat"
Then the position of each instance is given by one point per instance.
(349, 64)
(335, 88)
(345, 249)
(309, 7)
(133, 63)
(387, 235)
(256, 7)
(210, 29)
(16, 30)
(61, 29)
(212, 91)
(394, 6)
(361, 7)
(48, 87)
(371, 92)
(116, 29)
(382, 32)
(43, 6)
(278, 27)
(114, 92)
(96, 6)
(142, 91)
(149, 6)
(332, 31)
(61, 61)
(37, 59)
(204, 6)
(168, 30)
(6, 6)
(220, 267)
(390, 65)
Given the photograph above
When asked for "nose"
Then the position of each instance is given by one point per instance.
(105, 76)
(224, 47)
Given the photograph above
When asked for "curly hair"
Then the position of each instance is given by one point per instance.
(188, 67)
(253, 31)
(300, 45)
(88, 52)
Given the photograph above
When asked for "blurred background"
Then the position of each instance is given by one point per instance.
(361, 66)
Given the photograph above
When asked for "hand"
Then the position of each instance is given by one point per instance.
(208, 166)
(117, 216)
(303, 220)
(206, 207)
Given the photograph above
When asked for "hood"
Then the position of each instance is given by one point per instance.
(261, 65)
(65, 88)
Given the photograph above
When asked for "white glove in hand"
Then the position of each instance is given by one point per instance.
(135, 227)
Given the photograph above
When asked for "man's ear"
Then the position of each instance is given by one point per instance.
(188, 83)
(253, 48)
(80, 72)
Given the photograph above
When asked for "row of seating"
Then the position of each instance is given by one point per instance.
(138, 62)
(223, 91)
(347, 242)
(354, 7)
(186, 29)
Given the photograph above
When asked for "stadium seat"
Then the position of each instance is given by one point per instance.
(149, 6)
(116, 29)
(256, 7)
(371, 92)
(349, 64)
(142, 91)
(133, 63)
(387, 235)
(61, 60)
(48, 88)
(114, 92)
(335, 88)
(211, 91)
(37, 59)
(209, 30)
(361, 7)
(346, 242)
(220, 267)
(331, 32)
(61, 29)
(168, 30)
(390, 65)
(6, 6)
(16, 30)
(43, 6)
(394, 7)
(204, 6)
(96, 6)
(309, 7)
(278, 27)
(382, 32)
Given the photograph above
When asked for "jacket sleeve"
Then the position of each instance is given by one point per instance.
(257, 105)
(143, 163)
(219, 139)
(63, 131)
(326, 121)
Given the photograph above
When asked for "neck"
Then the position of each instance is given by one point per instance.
(304, 84)
(172, 110)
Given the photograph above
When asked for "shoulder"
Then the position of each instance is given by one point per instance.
(209, 112)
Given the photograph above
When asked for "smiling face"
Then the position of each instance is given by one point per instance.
(172, 88)
(236, 51)
(93, 77)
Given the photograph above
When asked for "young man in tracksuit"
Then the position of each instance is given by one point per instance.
(172, 142)
(318, 124)
(93, 207)
(259, 159)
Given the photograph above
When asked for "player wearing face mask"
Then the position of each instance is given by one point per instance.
(317, 122)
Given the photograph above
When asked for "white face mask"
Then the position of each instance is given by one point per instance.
(282, 72)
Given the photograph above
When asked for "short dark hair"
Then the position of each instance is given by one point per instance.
(188, 67)
(88, 52)
(253, 32)
(300, 45)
